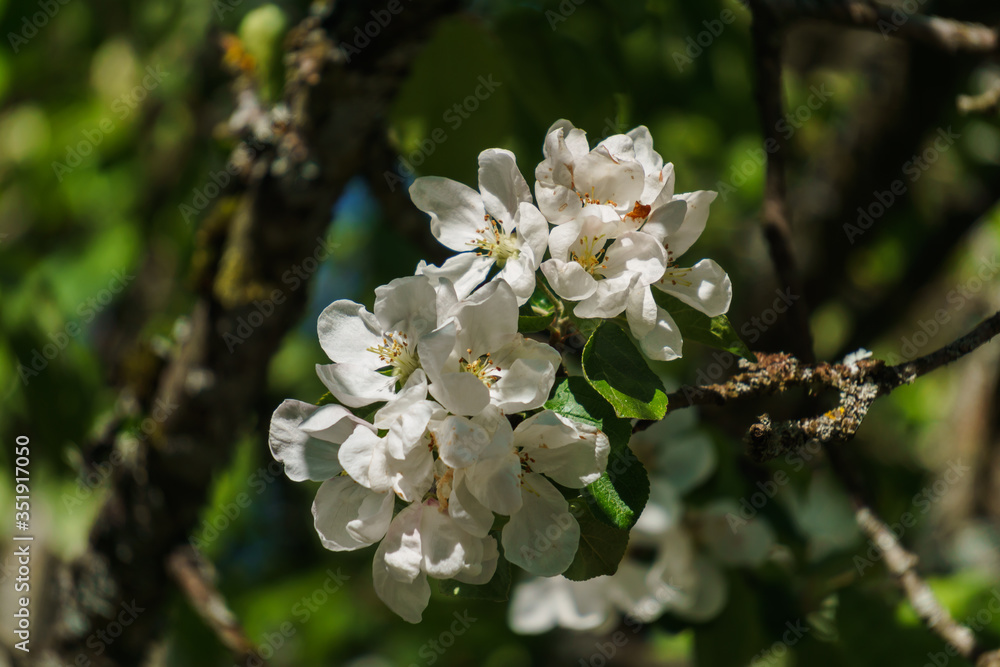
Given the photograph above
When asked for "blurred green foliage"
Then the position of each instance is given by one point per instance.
(108, 117)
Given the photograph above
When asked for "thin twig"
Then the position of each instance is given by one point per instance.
(196, 577)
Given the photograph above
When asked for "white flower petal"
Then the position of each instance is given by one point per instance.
(460, 393)
(488, 319)
(601, 177)
(636, 252)
(481, 573)
(348, 516)
(356, 455)
(447, 549)
(407, 305)
(346, 331)
(610, 297)
(558, 203)
(355, 385)
(305, 457)
(570, 453)
(473, 517)
(528, 373)
(543, 603)
(682, 238)
(704, 286)
(456, 210)
(333, 423)
(519, 273)
(459, 441)
(402, 546)
(501, 184)
(408, 599)
(495, 479)
(663, 342)
(569, 280)
(542, 537)
(533, 230)
(640, 311)
(466, 271)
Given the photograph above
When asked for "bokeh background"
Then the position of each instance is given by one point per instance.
(114, 117)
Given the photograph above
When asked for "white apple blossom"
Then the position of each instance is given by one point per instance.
(477, 357)
(513, 475)
(622, 176)
(690, 548)
(589, 265)
(497, 226)
(676, 225)
(373, 354)
(354, 505)
(424, 541)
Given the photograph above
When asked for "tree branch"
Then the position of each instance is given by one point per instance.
(195, 576)
(942, 33)
(859, 385)
(213, 385)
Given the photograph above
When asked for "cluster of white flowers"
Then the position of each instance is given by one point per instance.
(617, 229)
(676, 554)
(440, 364)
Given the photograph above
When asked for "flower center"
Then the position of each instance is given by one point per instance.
(495, 242)
(676, 277)
(588, 252)
(591, 198)
(526, 461)
(482, 367)
(395, 352)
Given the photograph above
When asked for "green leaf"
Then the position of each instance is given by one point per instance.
(620, 495)
(575, 399)
(496, 589)
(601, 549)
(537, 313)
(616, 369)
(715, 331)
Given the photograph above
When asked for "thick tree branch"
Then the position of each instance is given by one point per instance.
(946, 34)
(213, 384)
(859, 385)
